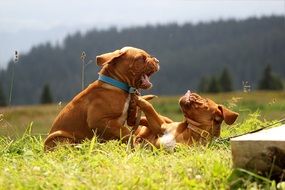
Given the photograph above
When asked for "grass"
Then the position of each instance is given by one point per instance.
(109, 166)
(113, 165)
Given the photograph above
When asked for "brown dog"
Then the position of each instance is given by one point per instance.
(203, 118)
(101, 108)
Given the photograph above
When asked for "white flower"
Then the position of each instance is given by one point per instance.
(36, 168)
(198, 177)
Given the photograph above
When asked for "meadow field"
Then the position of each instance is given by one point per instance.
(114, 165)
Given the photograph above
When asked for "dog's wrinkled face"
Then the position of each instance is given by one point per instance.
(130, 65)
(205, 111)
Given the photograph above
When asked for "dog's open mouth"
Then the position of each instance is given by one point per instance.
(146, 74)
(145, 80)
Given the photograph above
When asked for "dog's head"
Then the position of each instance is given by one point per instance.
(130, 65)
(206, 112)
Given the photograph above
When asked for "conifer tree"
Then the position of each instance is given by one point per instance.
(214, 86)
(2, 98)
(46, 97)
(269, 81)
(203, 84)
(226, 81)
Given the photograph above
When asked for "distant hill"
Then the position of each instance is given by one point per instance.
(186, 52)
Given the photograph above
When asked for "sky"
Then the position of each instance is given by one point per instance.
(25, 23)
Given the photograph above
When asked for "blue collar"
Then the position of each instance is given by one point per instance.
(117, 83)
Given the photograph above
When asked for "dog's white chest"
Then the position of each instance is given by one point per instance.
(168, 141)
(123, 117)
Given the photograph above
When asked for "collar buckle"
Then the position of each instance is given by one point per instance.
(132, 90)
(205, 134)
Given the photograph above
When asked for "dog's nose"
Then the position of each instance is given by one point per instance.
(156, 63)
(158, 67)
(156, 60)
(188, 93)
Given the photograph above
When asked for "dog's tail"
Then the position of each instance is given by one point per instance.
(57, 137)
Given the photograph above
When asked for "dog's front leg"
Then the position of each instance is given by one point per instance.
(154, 120)
(116, 129)
(144, 122)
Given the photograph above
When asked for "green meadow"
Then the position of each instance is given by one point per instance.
(114, 165)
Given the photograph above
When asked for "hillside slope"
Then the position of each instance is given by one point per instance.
(186, 52)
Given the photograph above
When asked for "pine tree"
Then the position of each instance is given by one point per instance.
(225, 81)
(269, 81)
(214, 86)
(203, 84)
(46, 97)
(2, 98)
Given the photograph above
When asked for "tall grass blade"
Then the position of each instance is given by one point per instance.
(16, 58)
(92, 144)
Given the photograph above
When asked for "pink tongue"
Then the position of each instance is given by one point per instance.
(145, 81)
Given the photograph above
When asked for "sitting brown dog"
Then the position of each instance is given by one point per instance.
(202, 121)
(102, 107)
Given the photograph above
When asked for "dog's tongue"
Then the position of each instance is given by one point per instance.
(145, 81)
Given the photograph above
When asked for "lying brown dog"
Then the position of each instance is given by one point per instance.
(101, 108)
(202, 121)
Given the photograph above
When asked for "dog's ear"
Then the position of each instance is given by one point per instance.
(108, 58)
(228, 115)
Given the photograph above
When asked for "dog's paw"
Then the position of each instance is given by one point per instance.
(149, 97)
(142, 103)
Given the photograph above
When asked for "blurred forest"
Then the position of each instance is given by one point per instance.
(188, 54)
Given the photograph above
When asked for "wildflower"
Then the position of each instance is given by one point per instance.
(198, 177)
(36, 168)
(246, 86)
(83, 56)
(16, 56)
